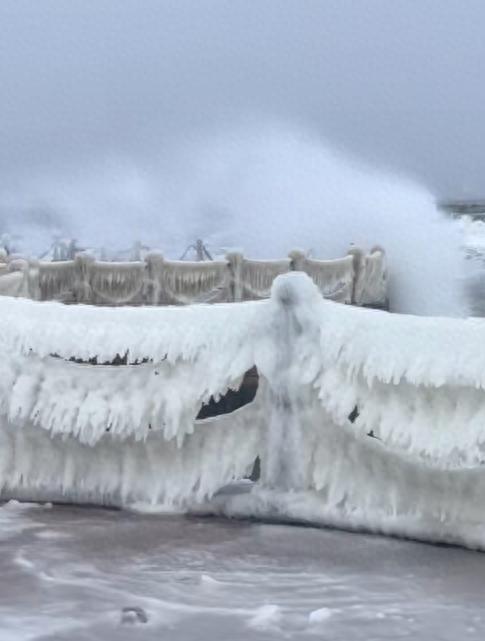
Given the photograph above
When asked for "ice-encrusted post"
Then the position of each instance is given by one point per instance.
(84, 264)
(154, 262)
(235, 261)
(292, 296)
(359, 260)
(31, 287)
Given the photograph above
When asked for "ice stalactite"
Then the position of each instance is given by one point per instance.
(184, 282)
(117, 283)
(252, 279)
(58, 281)
(38, 465)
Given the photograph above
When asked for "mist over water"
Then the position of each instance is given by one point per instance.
(264, 190)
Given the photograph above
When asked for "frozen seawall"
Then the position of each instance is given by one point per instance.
(331, 378)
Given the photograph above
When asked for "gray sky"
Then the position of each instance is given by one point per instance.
(401, 83)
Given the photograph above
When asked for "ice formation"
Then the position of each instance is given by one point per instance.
(356, 278)
(184, 282)
(254, 278)
(337, 279)
(104, 432)
(361, 419)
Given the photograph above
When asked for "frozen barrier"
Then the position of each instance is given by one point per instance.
(334, 278)
(354, 279)
(361, 419)
(252, 279)
(182, 282)
(370, 285)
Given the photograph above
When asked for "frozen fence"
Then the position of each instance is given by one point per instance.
(361, 418)
(182, 282)
(356, 278)
(334, 278)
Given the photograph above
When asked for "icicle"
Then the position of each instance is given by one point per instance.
(37, 466)
(117, 283)
(185, 282)
(58, 281)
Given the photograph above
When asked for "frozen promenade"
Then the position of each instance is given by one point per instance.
(67, 573)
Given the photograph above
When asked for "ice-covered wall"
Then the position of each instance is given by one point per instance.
(374, 420)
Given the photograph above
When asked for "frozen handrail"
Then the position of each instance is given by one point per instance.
(355, 278)
(252, 279)
(334, 278)
(172, 282)
(58, 280)
(116, 283)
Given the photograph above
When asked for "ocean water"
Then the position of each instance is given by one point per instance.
(81, 573)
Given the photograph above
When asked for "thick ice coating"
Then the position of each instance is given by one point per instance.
(363, 413)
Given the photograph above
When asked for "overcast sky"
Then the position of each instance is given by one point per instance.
(401, 83)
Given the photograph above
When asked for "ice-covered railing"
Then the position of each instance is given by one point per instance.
(114, 283)
(356, 278)
(252, 279)
(361, 418)
(183, 282)
(334, 278)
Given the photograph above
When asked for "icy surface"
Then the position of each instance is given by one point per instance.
(69, 572)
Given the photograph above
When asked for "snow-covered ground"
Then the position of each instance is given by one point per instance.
(69, 572)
